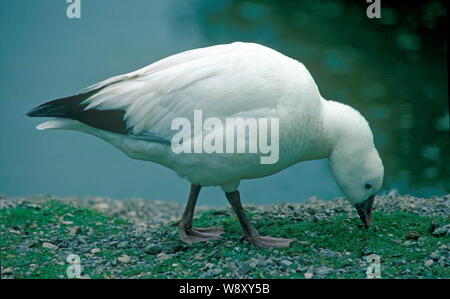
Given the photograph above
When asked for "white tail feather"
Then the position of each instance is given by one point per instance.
(66, 124)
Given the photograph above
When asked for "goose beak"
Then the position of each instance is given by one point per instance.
(365, 210)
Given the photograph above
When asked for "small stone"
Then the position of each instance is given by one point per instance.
(435, 256)
(153, 249)
(412, 235)
(73, 230)
(124, 259)
(442, 231)
(199, 256)
(244, 269)
(144, 274)
(308, 275)
(215, 272)
(95, 250)
(49, 246)
(163, 257)
(254, 262)
(428, 263)
(286, 263)
(8, 270)
(310, 211)
(434, 224)
(322, 270)
(66, 222)
(123, 244)
(304, 242)
(328, 253)
(101, 207)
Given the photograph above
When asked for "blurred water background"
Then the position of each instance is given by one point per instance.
(392, 69)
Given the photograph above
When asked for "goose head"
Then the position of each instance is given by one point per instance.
(354, 161)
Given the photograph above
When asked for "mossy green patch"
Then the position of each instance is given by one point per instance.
(35, 223)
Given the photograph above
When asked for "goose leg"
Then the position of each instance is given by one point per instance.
(189, 234)
(250, 233)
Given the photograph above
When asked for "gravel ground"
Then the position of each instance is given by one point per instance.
(148, 216)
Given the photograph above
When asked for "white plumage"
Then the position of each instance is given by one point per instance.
(228, 81)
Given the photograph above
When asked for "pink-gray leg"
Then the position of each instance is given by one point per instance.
(189, 234)
(250, 233)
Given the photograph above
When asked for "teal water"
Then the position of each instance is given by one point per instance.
(393, 70)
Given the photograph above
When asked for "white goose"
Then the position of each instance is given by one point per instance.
(134, 112)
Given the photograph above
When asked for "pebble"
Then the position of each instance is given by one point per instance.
(327, 253)
(153, 249)
(433, 225)
(96, 250)
(49, 246)
(244, 268)
(199, 256)
(254, 262)
(286, 263)
(8, 270)
(73, 230)
(124, 259)
(101, 206)
(215, 272)
(442, 231)
(123, 244)
(428, 263)
(323, 270)
(163, 257)
(229, 244)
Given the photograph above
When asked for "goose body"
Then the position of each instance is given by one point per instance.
(134, 112)
(226, 81)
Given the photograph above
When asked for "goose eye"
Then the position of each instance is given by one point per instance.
(368, 186)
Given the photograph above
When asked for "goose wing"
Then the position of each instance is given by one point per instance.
(222, 81)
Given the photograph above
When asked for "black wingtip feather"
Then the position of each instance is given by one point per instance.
(72, 108)
(46, 110)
